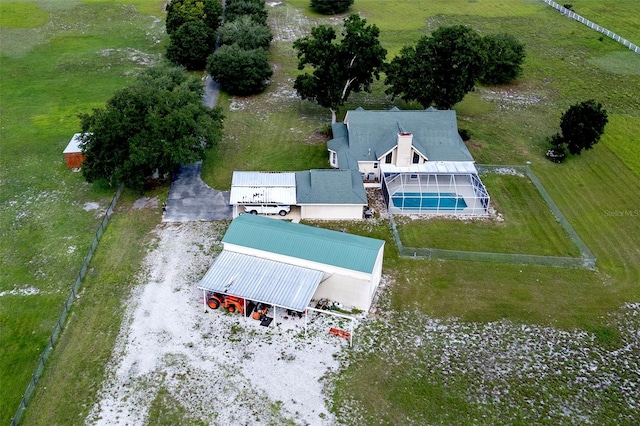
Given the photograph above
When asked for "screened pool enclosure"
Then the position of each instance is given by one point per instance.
(456, 192)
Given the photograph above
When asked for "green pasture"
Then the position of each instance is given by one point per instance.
(52, 69)
(619, 16)
(77, 365)
(527, 227)
(75, 59)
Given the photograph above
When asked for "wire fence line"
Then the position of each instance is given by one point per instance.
(586, 260)
(57, 329)
(593, 25)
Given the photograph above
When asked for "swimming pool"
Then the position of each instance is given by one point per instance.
(428, 201)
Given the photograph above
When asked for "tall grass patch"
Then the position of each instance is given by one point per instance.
(22, 15)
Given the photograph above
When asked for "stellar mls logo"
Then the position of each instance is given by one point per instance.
(622, 213)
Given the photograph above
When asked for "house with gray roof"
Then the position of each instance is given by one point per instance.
(416, 157)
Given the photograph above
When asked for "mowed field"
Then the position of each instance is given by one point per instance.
(61, 58)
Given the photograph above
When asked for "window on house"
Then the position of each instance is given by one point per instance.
(375, 165)
(388, 158)
(416, 158)
(334, 159)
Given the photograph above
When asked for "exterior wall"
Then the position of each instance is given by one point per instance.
(376, 275)
(73, 160)
(328, 211)
(368, 167)
(347, 291)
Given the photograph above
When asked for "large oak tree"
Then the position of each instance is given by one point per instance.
(581, 127)
(439, 70)
(339, 67)
(148, 128)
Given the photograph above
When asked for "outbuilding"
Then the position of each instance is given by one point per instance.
(288, 265)
(73, 155)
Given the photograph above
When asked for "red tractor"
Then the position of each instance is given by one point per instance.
(230, 303)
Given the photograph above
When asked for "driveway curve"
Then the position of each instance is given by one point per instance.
(190, 199)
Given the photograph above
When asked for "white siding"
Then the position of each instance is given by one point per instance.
(328, 211)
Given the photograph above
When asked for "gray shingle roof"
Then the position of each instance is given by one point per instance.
(373, 133)
(329, 186)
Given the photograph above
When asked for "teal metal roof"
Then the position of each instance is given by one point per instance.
(320, 245)
(371, 134)
(330, 186)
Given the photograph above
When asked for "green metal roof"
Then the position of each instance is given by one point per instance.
(320, 245)
(373, 133)
(330, 186)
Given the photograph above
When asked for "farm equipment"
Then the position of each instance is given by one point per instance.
(230, 303)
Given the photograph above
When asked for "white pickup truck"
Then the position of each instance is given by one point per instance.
(268, 209)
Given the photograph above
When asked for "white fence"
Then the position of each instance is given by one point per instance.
(593, 25)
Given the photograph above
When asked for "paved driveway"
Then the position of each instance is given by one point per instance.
(191, 199)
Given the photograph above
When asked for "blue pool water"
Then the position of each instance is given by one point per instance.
(428, 201)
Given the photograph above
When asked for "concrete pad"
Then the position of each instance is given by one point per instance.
(190, 199)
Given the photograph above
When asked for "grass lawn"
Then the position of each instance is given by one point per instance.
(76, 367)
(86, 50)
(619, 16)
(57, 59)
(528, 226)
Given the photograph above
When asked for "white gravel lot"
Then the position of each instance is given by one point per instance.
(220, 367)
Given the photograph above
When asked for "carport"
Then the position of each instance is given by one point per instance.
(261, 280)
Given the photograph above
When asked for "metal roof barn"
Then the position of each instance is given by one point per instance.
(287, 264)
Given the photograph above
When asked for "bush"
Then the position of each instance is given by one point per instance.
(464, 134)
(180, 12)
(331, 7)
(246, 33)
(253, 8)
(240, 72)
(190, 45)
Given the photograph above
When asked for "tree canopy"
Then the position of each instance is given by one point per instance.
(339, 66)
(581, 127)
(234, 9)
(505, 55)
(246, 33)
(147, 128)
(438, 70)
(330, 7)
(190, 45)
(181, 11)
(240, 72)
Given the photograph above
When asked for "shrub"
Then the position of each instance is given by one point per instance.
(240, 72)
(331, 7)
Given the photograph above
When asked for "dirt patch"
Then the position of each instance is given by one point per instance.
(377, 204)
(145, 203)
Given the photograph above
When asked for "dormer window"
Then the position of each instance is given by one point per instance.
(388, 158)
(416, 158)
